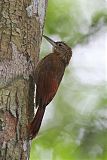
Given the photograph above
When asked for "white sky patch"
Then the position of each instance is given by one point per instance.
(90, 60)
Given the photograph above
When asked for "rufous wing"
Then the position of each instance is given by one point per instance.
(46, 89)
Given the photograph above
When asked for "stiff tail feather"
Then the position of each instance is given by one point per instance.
(36, 123)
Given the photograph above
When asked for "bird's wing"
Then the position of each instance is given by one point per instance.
(46, 88)
(48, 81)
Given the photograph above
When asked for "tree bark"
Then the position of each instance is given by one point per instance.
(21, 26)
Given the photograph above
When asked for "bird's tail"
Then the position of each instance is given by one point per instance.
(36, 123)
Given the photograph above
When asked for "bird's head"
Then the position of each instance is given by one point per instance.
(60, 47)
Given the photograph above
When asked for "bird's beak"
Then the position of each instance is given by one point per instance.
(50, 40)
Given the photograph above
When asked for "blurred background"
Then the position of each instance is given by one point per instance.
(75, 123)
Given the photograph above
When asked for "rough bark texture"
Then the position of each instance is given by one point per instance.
(21, 25)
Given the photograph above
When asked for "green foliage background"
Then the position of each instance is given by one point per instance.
(69, 133)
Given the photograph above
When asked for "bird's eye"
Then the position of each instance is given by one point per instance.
(60, 44)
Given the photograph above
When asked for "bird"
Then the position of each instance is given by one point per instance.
(48, 75)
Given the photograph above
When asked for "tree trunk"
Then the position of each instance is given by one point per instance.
(21, 25)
